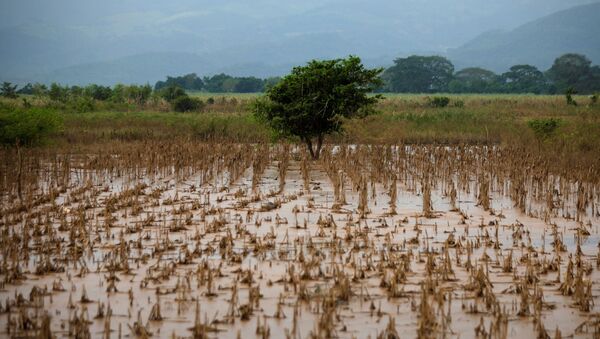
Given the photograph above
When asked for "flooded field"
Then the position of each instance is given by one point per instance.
(229, 240)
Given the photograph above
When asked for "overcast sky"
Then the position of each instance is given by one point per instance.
(134, 12)
(41, 36)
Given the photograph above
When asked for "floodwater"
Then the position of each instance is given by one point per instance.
(198, 249)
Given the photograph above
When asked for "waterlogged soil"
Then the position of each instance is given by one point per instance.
(199, 250)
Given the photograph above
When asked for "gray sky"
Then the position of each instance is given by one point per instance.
(90, 12)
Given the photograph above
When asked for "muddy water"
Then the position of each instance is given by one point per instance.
(159, 274)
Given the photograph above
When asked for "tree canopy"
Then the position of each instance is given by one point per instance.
(419, 74)
(190, 82)
(574, 71)
(474, 80)
(314, 99)
(525, 79)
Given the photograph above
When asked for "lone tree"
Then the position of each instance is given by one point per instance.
(313, 100)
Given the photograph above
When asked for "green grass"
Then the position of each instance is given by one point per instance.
(129, 126)
(471, 119)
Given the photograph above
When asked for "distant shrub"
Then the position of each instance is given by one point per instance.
(26, 103)
(97, 92)
(593, 99)
(27, 126)
(8, 90)
(187, 104)
(58, 93)
(210, 101)
(569, 96)
(172, 93)
(544, 128)
(82, 104)
(459, 104)
(439, 102)
(27, 90)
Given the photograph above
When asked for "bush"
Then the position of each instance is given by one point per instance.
(96, 92)
(58, 93)
(544, 128)
(459, 104)
(171, 93)
(8, 90)
(82, 104)
(187, 104)
(439, 102)
(569, 96)
(27, 126)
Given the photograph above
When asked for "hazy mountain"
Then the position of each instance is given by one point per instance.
(537, 43)
(76, 41)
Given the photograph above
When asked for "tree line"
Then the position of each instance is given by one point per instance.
(434, 74)
(219, 83)
(573, 73)
(85, 98)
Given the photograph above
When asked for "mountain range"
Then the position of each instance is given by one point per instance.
(537, 43)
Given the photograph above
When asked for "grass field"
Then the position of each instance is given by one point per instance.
(402, 118)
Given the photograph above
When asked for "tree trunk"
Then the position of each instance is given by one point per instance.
(309, 147)
(319, 145)
(314, 153)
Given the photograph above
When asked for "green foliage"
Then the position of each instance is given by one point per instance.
(138, 94)
(524, 79)
(474, 80)
(97, 92)
(544, 129)
(569, 96)
(40, 90)
(82, 104)
(190, 82)
(419, 74)
(27, 126)
(439, 101)
(75, 91)
(27, 89)
(8, 90)
(219, 83)
(459, 104)
(249, 85)
(132, 94)
(187, 104)
(83, 99)
(271, 82)
(573, 71)
(171, 93)
(314, 99)
(26, 103)
(58, 93)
